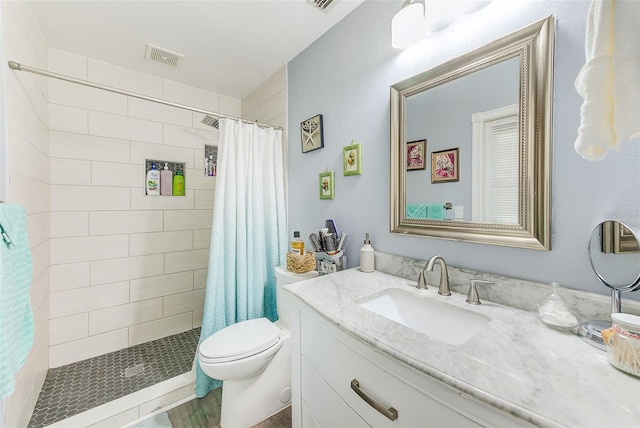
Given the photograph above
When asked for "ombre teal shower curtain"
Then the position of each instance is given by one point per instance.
(248, 234)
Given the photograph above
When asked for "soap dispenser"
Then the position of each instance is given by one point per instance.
(166, 181)
(367, 256)
(153, 181)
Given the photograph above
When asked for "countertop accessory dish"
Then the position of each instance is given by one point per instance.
(555, 313)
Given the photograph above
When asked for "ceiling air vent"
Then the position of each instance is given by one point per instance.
(323, 5)
(164, 56)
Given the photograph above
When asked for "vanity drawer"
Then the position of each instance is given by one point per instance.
(339, 366)
(323, 406)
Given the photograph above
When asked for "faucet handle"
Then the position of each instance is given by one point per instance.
(422, 281)
(472, 294)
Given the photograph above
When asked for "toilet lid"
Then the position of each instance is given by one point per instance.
(239, 340)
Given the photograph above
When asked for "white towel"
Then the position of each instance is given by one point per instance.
(609, 82)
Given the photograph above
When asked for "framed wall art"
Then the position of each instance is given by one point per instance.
(327, 185)
(444, 166)
(311, 132)
(415, 155)
(352, 159)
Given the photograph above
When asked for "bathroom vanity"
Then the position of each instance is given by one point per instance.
(354, 366)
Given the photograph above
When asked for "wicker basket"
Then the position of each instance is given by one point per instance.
(301, 263)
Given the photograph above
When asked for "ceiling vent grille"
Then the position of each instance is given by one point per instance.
(164, 56)
(323, 5)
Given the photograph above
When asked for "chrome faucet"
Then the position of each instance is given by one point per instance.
(443, 288)
(472, 294)
(422, 282)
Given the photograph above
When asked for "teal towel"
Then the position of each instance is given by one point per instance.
(435, 212)
(417, 211)
(16, 319)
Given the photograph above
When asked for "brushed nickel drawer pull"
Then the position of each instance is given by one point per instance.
(390, 413)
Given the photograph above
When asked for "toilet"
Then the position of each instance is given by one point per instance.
(253, 359)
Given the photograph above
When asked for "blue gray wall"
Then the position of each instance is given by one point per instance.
(346, 74)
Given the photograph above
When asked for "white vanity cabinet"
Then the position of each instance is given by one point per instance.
(329, 366)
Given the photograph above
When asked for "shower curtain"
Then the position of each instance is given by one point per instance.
(248, 234)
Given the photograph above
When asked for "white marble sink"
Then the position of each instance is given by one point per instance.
(447, 323)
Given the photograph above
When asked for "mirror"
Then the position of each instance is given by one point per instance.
(615, 255)
(614, 251)
(471, 144)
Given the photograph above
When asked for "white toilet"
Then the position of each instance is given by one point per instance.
(253, 358)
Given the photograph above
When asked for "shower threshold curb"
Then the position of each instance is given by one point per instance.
(140, 404)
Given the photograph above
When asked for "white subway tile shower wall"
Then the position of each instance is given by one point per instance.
(27, 118)
(123, 263)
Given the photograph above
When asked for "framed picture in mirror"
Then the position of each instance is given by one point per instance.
(415, 155)
(445, 166)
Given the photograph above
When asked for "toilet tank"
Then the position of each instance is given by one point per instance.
(284, 277)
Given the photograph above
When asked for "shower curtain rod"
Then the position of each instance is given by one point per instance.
(20, 67)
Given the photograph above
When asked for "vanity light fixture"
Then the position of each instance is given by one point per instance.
(408, 24)
(416, 18)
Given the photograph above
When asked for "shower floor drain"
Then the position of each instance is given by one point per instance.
(134, 370)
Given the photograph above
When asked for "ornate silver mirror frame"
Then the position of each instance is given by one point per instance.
(534, 46)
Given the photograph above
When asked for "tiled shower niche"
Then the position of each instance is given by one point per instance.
(173, 167)
(210, 151)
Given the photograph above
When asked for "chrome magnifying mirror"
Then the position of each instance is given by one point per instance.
(614, 251)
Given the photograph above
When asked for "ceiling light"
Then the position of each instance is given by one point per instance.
(408, 25)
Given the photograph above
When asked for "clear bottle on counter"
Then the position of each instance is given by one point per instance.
(555, 313)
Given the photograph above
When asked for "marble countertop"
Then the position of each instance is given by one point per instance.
(515, 363)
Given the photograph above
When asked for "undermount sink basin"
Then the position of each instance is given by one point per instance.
(441, 321)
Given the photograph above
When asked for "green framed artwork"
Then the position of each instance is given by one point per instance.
(327, 185)
(352, 159)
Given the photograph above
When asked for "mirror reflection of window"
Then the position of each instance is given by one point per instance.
(495, 168)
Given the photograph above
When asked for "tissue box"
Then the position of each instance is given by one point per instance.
(301, 263)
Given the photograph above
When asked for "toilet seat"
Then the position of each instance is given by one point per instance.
(238, 341)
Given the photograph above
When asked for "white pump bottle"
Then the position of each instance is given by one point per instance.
(367, 256)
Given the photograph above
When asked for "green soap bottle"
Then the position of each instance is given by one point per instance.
(178, 184)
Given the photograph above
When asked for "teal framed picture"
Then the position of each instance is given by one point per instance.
(327, 185)
(352, 159)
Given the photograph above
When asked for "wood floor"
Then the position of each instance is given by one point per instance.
(205, 413)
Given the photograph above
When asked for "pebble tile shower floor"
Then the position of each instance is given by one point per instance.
(77, 387)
